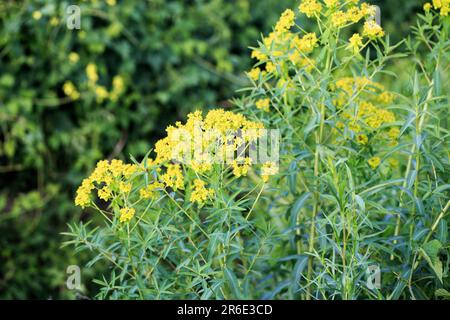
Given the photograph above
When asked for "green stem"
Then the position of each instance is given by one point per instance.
(316, 200)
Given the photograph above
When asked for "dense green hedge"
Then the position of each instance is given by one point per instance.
(170, 56)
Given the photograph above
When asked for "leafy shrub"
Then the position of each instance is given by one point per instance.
(362, 180)
(71, 97)
(366, 167)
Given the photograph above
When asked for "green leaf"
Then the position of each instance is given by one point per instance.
(298, 205)
(442, 231)
(442, 293)
(232, 282)
(430, 252)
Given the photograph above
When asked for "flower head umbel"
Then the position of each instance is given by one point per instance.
(310, 8)
(374, 162)
(372, 30)
(443, 6)
(126, 214)
(200, 193)
(286, 21)
(268, 169)
(355, 43)
(263, 104)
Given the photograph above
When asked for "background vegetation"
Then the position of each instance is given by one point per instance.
(171, 57)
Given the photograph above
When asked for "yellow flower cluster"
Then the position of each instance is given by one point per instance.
(100, 91)
(288, 44)
(286, 21)
(331, 3)
(355, 43)
(74, 57)
(108, 178)
(283, 46)
(241, 166)
(218, 120)
(115, 181)
(310, 8)
(126, 214)
(173, 178)
(200, 193)
(350, 86)
(367, 115)
(263, 104)
(70, 90)
(341, 17)
(374, 162)
(372, 30)
(150, 191)
(255, 73)
(92, 74)
(442, 5)
(118, 87)
(37, 15)
(268, 169)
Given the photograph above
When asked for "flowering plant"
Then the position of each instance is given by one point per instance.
(360, 183)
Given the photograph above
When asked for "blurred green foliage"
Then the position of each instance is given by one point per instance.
(171, 56)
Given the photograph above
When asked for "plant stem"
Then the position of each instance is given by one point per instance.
(316, 199)
(419, 125)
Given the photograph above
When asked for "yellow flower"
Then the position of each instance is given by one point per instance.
(83, 193)
(126, 214)
(355, 43)
(256, 54)
(74, 57)
(105, 193)
(129, 169)
(374, 162)
(54, 21)
(125, 187)
(362, 139)
(331, 3)
(118, 83)
(173, 178)
(118, 87)
(437, 4)
(307, 43)
(91, 72)
(368, 10)
(70, 90)
(101, 93)
(37, 15)
(354, 14)
(241, 166)
(263, 104)
(372, 30)
(427, 7)
(200, 194)
(310, 8)
(268, 169)
(270, 67)
(338, 19)
(254, 74)
(286, 21)
(443, 5)
(149, 191)
(385, 97)
(394, 133)
(393, 162)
